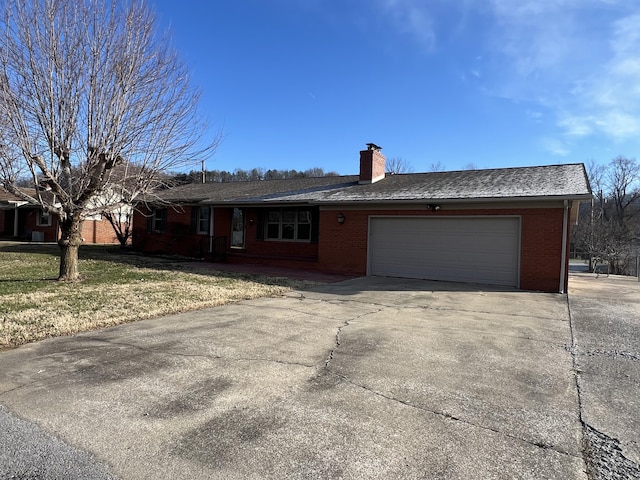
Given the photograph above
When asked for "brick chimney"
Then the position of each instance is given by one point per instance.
(372, 164)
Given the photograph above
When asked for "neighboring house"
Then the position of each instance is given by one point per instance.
(22, 220)
(500, 226)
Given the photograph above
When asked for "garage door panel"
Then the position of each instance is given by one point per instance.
(478, 250)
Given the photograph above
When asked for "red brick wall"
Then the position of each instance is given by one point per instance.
(306, 251)
(372, 165)
(541, 250)
(190, 244)
(222, 222)
(343, 248)
(98, 231)
(293, 254)
(30, 220)
(176, 239)
(93, 231)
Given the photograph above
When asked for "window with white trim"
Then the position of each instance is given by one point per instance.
(288, 224)
(44, 219)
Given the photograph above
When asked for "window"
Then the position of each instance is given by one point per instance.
(288, 224)
(203, 220)
(44, 219)
(237, 228)
(159, 220)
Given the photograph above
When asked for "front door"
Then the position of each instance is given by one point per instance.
(237, 228)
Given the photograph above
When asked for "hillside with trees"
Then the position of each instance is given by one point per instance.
(240, 175)
(608, 230)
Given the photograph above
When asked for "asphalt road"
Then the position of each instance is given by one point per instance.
(368, 378)
(29, 453)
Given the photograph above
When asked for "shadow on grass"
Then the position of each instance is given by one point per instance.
(297, 280)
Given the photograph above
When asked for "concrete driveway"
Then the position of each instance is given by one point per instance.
(605, 314)
(367, 378)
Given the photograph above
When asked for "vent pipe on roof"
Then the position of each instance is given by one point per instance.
(372, 164)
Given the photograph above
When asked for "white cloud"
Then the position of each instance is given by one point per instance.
(577, 61)
(413, 18)
(555, 147)
(535, 115)
(610, 96)
(619, 124)
(577, 58)
(576, 126)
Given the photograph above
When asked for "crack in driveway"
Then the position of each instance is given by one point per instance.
(449, 416)
(602, 454)
(339, 333)
(406, 403)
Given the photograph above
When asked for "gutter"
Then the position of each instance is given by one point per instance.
(444, 201)
(254, 202)
(12, 204)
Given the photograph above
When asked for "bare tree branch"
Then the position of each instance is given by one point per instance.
(610, 229)
(397, 165)
(93, 104)
(437, 167)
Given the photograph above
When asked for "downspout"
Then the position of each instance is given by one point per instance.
(565, 239)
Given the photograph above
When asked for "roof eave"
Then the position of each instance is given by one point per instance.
(276, 201)
(257, 201)
(14, 203)
(544, 198)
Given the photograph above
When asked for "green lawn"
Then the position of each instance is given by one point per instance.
(116, 287)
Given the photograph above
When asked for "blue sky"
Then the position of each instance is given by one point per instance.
(296, 84)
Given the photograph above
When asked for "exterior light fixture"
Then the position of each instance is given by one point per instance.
(433, 207)
(340, 218)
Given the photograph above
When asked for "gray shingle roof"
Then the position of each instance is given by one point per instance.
(6, 197)
(523, 183)
(9, 199)
(256, 191)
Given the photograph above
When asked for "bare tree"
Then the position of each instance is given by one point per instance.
(623, 182)
(437, 167)
(398, 165)
(94, 104)
(610, 229)
(121, 220)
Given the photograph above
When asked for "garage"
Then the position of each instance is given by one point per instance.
(456, 249)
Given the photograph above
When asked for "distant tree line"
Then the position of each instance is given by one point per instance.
(393, 165)
(608, 230)
(240, 175)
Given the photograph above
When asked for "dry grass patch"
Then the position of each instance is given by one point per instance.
(116, 288)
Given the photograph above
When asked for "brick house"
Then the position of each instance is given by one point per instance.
(22, 220)
(506, 226)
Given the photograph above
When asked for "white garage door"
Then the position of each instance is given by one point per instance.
(476, 250)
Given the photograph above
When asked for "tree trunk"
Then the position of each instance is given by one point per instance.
(69, 243)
